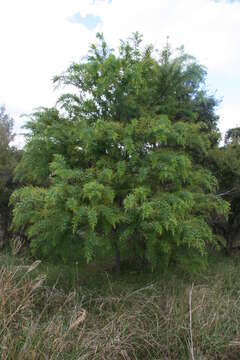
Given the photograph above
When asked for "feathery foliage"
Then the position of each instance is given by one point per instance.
(118, 169)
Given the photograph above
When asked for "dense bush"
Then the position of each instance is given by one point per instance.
(120, 168)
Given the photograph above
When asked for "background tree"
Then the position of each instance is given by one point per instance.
(118, 169)
(233, 136)
(225, 165)
(8, 159)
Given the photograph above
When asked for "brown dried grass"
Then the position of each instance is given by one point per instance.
(152, 322)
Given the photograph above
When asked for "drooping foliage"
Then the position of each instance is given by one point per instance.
(118, 168)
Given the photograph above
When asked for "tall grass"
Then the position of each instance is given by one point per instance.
(169, 318)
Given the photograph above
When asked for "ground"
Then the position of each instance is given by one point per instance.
(65, 312)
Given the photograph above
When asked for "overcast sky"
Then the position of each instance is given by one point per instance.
(40, 38)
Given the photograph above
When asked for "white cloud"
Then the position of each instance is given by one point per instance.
(38, 41)
(208, 30)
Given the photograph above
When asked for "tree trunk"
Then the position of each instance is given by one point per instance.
(4, 233)
(229, 246)
(117, 259)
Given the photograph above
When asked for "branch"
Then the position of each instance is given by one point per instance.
(227, 192)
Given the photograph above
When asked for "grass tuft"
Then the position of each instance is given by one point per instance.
(165, 318)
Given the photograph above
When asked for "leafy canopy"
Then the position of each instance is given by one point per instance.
(232, 136)
(118, 167)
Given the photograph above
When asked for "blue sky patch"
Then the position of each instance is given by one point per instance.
(109, 1)
(227, 1)
(90, 21)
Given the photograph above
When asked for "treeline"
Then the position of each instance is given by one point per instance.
(9, 158)
(127, 166)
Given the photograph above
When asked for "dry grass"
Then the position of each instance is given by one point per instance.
(151, 322)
